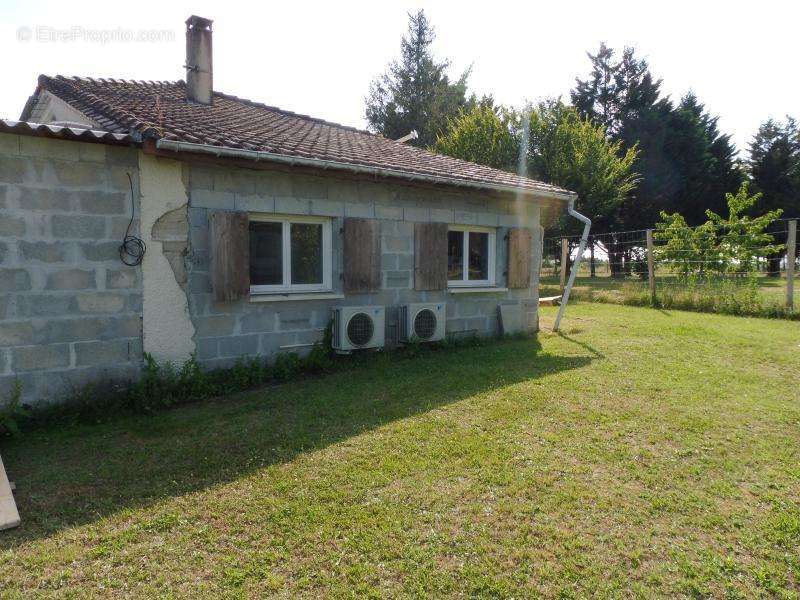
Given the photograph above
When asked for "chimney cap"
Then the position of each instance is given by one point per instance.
(196, 22)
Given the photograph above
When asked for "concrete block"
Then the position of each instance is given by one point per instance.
(40, 147)
(4, 307)
(12, 169)
(462, 217)
(48, 252)
(118, 156)
(36, 358)
(375, 193)
(342, 190)
(236, 182)
(487, 219)
(313, 188)
(109, 352)
(122, 279)
(397, 280)
(16, 333)
(442, 215)
(394, 243)
(200, 178)
(119, 226)
(78, 227)
(416, 214)
(3, 196)
(212, 199)
(199, 238)
(389, 262)
(214, 326)
(361, 210)
(511, 221)
(3, 252)
(207, 348)
(101, 252)
(388, 212)
(292, 206)
(14, 280)
(274, 184)
(100, 302)
(405, 262)
(70, 279)
(198, 217)
(260, 321)
(9, 144)
(199, 282)
(12, 226)
(73, 329)
(254, 203)
(291, 320)
(238, 345)
(45, 305)
(31, 198)
(327, 208)
(92, 153)
(80, 174)
(104, 203)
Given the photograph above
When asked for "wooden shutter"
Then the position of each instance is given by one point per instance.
(430, 256)
(519, 257)
(230, 255)
(362, 256)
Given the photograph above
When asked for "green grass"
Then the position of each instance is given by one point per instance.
(642, 452)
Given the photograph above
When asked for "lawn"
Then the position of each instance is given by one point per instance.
(642, 452)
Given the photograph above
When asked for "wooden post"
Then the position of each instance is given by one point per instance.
(651, 272)
(564, 261)
(791, 252)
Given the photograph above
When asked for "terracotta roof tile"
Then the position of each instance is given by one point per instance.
(160, 109)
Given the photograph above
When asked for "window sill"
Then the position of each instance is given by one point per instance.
(477, 290)
(295, 296)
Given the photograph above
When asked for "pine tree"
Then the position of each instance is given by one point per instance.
(774, 167)
(416, 94)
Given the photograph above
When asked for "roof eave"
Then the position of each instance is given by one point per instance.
(286, 159)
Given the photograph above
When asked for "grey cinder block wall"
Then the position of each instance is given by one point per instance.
(226, 331)
(70, 311)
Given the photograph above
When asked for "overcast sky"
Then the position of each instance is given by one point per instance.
(740, 58)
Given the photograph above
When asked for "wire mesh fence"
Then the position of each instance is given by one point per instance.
(713, 267)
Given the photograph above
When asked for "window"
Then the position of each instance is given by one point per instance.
(470, 256)
(289, 254)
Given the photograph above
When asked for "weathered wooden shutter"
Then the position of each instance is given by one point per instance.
(230, 255)
(362, 255)
(430, 256)
(519, 257)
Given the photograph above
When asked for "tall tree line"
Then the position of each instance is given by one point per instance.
(671, 155)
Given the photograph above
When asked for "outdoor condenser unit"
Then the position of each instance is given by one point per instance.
(422, 322)
(357, 327)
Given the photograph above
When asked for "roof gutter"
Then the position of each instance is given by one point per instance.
(258, 155)
(587, 225)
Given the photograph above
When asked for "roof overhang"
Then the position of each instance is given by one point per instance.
(66, 133)
(317, 163)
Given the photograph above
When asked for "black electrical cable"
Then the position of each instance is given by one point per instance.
(132, 249)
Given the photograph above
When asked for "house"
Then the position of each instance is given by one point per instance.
(167, 218)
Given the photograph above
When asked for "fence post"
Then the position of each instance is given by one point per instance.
(651, 273)
(791, 252)
(564, 261)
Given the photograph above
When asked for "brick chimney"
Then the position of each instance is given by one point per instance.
(199, 68)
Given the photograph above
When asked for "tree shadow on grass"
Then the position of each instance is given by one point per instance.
(76, 475)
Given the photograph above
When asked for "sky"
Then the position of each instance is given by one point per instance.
(318, 58)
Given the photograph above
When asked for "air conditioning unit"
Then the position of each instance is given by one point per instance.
(422, 322)
(357, 327)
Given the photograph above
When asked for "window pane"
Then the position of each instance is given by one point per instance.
(478, 256)
(455, 255)
(266, 253)
(306, 253)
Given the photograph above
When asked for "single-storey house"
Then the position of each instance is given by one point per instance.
(168, 218)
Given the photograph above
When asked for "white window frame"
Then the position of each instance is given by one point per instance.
(465, 282)
(327, 255)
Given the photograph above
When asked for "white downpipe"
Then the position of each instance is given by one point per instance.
(587, 225)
